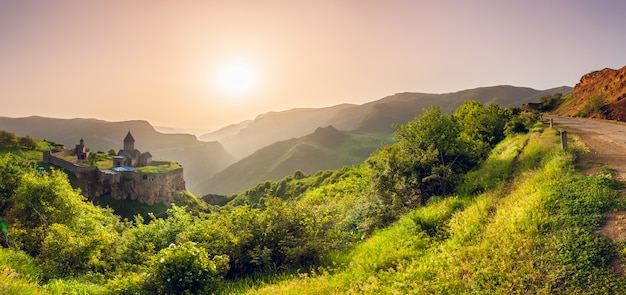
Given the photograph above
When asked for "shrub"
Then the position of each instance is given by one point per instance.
(187, 269)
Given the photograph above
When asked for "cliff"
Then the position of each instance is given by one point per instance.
(148, 188)
(599, 94)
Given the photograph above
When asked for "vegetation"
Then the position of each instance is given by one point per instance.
(159, 167)
(593, 106)
(100, 159)
(550, 102)
(459, 204)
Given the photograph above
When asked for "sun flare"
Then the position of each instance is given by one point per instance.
(236, 78)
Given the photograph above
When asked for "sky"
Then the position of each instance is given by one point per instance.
(207, 64)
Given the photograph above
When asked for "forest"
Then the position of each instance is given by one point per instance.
(461, 202)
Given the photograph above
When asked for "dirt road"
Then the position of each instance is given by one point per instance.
(607, 142)
(605, 139)
(614, 132)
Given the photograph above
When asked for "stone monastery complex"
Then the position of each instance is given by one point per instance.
(123, 181)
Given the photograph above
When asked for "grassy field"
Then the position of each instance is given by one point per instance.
(526, 224)
(159, 167)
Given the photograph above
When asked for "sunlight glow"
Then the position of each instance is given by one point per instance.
(236, 78)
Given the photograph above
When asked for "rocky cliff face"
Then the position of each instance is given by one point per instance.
(607, 86)
(148, 188)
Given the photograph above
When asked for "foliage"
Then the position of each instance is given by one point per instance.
(533, 235)
(187, 269)
(27, 142)
(593, 106)
(452, 207)
(431, 154)
(99, 159)
(550, 102)
(159, 167)
(7, 138)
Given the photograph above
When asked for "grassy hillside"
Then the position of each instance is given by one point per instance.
(428, 214)
(243, 139)
(371, 122)
(326, 148)
(532, 230)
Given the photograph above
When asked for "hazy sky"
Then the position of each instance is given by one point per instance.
(162, 61)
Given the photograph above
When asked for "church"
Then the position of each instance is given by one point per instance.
(129, 156)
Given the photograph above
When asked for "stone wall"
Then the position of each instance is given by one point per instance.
(148, 188)
(81, 172)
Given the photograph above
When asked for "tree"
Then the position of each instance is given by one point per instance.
(550, 102)
(28, 142)
(92, 159)
(7, 138)
(112, 153)
(481, 127)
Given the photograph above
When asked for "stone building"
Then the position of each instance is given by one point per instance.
(131, 157)
(80, 151)
(123, 182)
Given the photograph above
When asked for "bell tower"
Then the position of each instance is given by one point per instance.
(129, 142)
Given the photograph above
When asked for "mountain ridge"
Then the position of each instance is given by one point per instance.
(378, 115)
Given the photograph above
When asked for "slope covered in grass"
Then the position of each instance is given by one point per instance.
(532, 230)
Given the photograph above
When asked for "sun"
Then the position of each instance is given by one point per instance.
(236, 78)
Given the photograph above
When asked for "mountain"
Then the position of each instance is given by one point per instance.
(599, 94)
(378, 116)
(366, 125)
(244, 138)
(199, 159)
(325, 148)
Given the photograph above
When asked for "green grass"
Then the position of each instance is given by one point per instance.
(27, 154)
(533, 234)
(161, 167)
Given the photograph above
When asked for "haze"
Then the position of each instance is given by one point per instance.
(160, 61)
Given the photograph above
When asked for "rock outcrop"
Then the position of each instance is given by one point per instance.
(606, 88)
(148, 188)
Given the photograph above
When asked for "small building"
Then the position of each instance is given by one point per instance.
(80, 151)
(131, 157)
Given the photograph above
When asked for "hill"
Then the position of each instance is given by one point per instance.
(245, 138)
(200, 159)
(599, 94)
(325, 148)
(367, 125)
(522, 221)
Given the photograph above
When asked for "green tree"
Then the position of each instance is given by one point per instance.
(550, 102)
(28, 142)
(7, 138)
(52, 221)
(481, 127)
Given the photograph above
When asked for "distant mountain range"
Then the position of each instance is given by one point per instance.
(276, 144)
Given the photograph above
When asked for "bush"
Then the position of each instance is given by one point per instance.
(187, 269)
